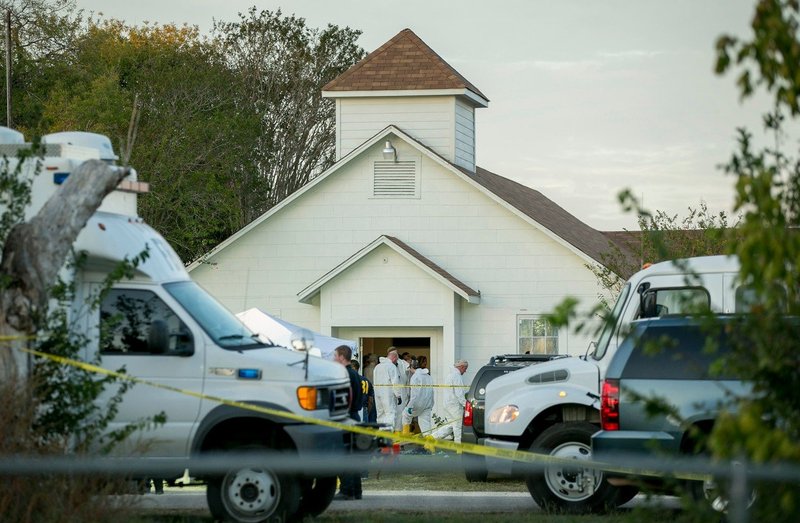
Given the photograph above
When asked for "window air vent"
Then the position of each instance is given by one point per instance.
(395, 179)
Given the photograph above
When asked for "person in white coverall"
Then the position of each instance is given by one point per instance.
(454, 401)
(420, 400)
(404, 373)
(387, 394)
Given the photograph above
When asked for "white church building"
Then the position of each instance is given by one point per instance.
(405, 241)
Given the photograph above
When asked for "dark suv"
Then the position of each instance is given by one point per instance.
(473, 421)
(670, 359)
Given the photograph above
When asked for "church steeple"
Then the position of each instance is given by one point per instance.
(405, 83)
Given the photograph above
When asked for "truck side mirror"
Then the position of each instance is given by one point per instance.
(158, 337)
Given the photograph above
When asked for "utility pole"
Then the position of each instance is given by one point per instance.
(8, 68)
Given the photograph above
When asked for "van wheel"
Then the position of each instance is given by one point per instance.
(572, 489)
(474, 468)
(317, 494)
(252, 494)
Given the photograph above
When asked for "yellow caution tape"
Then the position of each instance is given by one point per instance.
(422, 386)
(480, 450)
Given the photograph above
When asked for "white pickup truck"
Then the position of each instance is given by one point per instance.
(553, 407)
(167, 330)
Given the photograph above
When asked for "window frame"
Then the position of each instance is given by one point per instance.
(185, 330)
(547, 336)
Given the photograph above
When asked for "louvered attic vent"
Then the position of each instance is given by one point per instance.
(395, 179)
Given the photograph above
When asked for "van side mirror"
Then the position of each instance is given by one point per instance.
(158, 337)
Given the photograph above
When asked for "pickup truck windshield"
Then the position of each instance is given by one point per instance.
(611, 324)
(224, 328)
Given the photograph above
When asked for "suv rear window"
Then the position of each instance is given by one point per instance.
(677, 352)
(487, 376)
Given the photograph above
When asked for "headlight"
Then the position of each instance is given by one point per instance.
(505, 414)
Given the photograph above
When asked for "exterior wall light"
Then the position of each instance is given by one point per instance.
(389, 152)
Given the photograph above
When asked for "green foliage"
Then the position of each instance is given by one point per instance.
(284, 65)
(766, 427)
(661, 237)
(228, 126)
(68, 411)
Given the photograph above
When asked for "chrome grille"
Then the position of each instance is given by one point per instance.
(340, 400)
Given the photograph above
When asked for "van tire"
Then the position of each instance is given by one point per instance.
(252, 494)
(563, 489)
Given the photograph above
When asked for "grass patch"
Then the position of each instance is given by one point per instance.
(445, 481)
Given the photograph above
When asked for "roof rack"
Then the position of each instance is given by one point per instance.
(519, 358)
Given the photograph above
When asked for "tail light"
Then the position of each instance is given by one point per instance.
(609, 405)
(468, 414)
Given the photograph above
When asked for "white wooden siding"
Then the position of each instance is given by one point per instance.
(517, 268)
(429, 119)
(465, 135)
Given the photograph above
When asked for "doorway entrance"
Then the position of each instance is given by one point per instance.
(374, 348)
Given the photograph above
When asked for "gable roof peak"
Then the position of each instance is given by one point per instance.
(404, 63)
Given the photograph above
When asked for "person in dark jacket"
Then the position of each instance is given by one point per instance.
(350, 487)
(368, 412)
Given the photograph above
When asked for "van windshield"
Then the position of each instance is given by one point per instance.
(611, 324)
(218, 322)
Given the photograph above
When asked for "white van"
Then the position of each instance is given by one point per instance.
(167, 330)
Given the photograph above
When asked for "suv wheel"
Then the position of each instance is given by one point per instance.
(474, 468)
(252, 494)
(710, 492)
(573, 489)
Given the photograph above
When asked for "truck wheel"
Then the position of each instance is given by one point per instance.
(572, 489)
(317, 494)
(474, 468)
(252, 495)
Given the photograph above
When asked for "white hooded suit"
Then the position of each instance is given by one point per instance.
(386, 380)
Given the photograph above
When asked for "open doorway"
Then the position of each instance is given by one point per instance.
(374, 348)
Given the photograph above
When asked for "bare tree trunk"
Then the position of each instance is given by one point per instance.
(36, 250)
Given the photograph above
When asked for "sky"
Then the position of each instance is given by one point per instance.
(587, 98)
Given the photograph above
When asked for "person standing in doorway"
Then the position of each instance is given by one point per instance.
(350, 487)
(454, 401)
(420, 402)
(405, 376)
(387, 393)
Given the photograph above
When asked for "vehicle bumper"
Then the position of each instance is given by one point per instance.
(499, 465)
(316, 438)
(621, 448)
(617, 442)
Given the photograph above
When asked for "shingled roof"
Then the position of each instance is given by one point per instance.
(546, 212)
(404, 63)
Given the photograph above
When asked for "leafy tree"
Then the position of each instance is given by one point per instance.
(43, 32)
(284, 65)
(766, 428)
(227, 127)
(661, 237)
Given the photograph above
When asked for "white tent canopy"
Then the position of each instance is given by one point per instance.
(279, 332)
